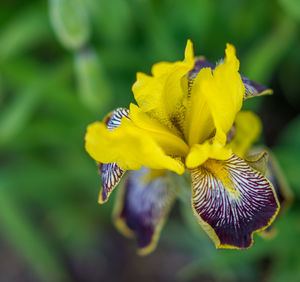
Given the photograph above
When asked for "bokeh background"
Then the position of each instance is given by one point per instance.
(66, 63)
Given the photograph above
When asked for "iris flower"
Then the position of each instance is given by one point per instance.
(187, 120)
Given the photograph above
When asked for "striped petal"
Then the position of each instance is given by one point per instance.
(142, 206)
(113, 120)
(111, 173)
(232, 201)
(253, 89)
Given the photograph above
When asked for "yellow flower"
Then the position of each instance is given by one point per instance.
(188, 119)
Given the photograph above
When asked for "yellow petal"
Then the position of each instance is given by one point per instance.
(247, 130)
(129, 146)
(216, 98)
(199, 123)
(201, 153)
(227, 97)
(171, 143)
(162, 95)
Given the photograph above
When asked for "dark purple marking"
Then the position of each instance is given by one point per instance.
(234, 214)
(145, 205)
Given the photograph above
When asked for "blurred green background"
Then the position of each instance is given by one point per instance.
(66, 63)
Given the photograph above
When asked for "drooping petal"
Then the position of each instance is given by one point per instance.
(216, 97)
(162, 95)
(128, 146)
(253, 89)
(247, 130)
(111, 173)
(232, 201)
(142, 206)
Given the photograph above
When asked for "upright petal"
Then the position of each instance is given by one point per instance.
(252, 89)
(216, 97)
(232, 201)
(142, 206)
(162, 95)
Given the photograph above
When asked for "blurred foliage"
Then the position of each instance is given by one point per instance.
(64, 64)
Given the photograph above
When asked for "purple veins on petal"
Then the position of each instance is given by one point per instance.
(231, 201)
(111, 173)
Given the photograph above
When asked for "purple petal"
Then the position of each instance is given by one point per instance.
(232, 201)
(142, 208)
(253, 89)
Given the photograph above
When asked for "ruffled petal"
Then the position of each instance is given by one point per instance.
(216, 97)
(142, 206)
(232, 201)
(170, 142)
(252, 89)
(129, 146)
(111, 173)
(247, 130)
(162, 94)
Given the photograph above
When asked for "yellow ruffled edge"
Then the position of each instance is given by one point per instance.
(214, 237)
(122, 227)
